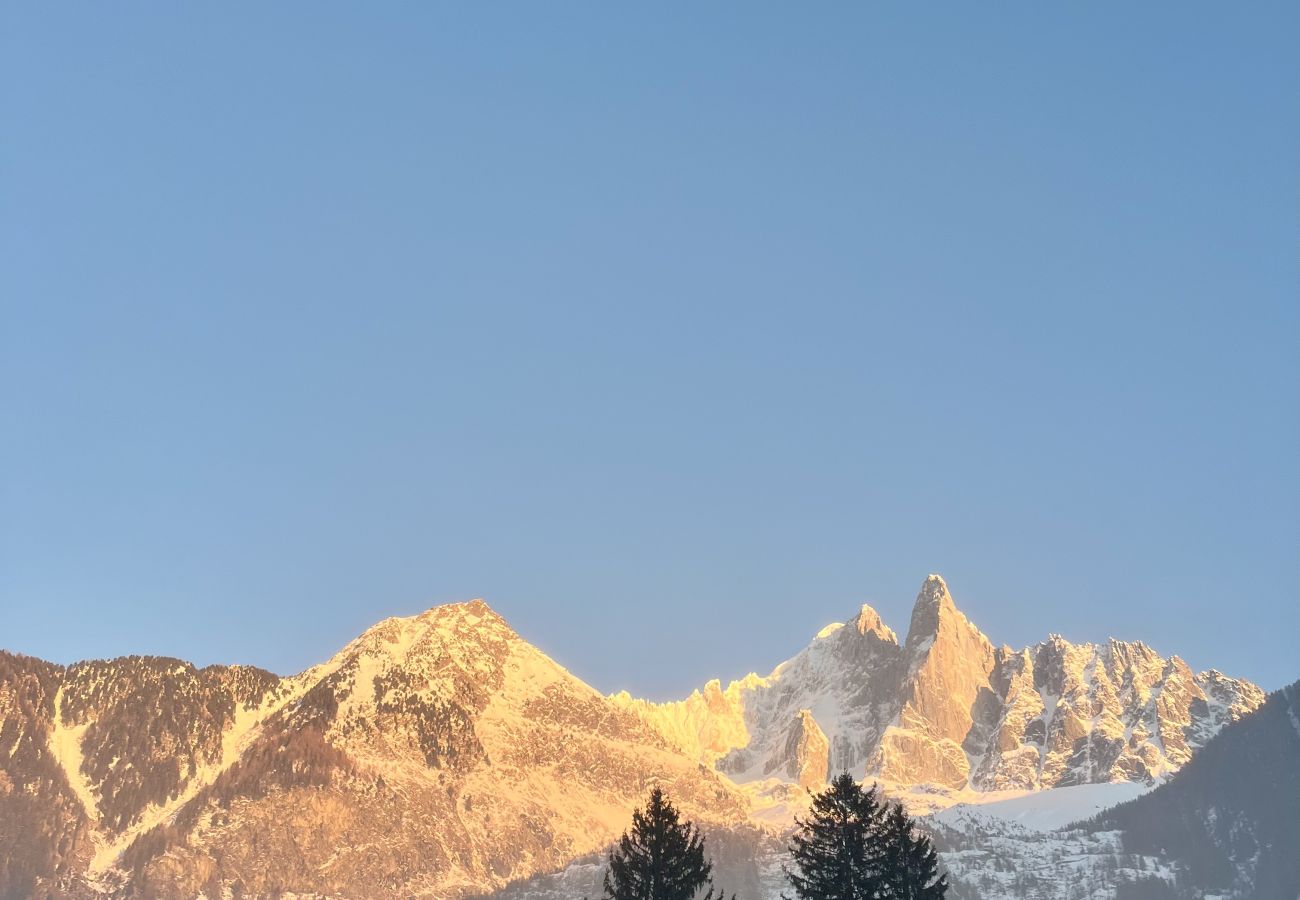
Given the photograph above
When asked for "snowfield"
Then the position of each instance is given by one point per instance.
(1043, 810)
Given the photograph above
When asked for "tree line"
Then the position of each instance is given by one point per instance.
(854, 845)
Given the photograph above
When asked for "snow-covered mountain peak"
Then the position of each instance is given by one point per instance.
(445, 737)
(828, 630)
(468, 614)
(933, 611)
(865, 621)
(868, 621)
(934, 592)
(439, 628)
(948, 708)
(941, 636)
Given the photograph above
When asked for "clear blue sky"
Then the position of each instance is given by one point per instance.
(674, 333)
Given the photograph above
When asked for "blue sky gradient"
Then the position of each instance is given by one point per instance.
(674, 333)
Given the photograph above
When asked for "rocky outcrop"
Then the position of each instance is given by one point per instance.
(431, 756)
(1067, 714)
(442, 754)
(805, 755)
(846, 679)
(948, 664)
(948, 708)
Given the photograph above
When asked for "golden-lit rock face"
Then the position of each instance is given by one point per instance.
(948, 666)
(442, 754)
(432, 756)
(806, 759)
(948, 708)
(910, 757)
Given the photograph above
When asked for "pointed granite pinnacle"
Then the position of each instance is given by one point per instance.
(934, 592)
(868, 621)
(935, 613)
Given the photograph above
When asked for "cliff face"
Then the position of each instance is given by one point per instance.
(1224, 825)
(442, 754)
(432, 756)
(1229, 819)
(805, 756)
(948, 708)
(948, 663)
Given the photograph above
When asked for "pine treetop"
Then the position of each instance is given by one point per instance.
(660, 858)
(854, 846)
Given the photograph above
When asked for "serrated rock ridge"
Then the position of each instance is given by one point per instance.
(947, 707)
(441, 753)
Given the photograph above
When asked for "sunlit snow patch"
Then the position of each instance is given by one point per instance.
(1045, 810)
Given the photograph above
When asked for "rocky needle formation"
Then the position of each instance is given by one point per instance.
(441, 754)
(948, 708)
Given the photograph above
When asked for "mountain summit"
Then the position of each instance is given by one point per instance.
(948, 708)
(432, 755)
(442, 754)
(948, 662)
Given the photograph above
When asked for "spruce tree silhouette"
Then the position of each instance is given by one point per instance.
(911, 865)
(836, 854)
(854, 847)
(661, 858)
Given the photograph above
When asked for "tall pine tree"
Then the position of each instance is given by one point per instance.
(854, 847)
(836, 850)
(911, 865)
(661, 858)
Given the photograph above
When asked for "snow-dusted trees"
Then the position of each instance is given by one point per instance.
(853, 846)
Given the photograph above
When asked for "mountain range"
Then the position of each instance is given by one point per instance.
(442, 755)
(1226, 825)
(947, 707)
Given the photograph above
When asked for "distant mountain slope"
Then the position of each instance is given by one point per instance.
(1231, 817)
(442, 754)
(947, 707)
(1224, 827)
(1047, 810)
(99, 750)
(433, 755)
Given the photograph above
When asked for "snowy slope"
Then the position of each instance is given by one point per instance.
(433, 755)
(441, 754)
(1045, 810)
(949, 708)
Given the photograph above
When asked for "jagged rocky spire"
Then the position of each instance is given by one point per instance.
(868, 621)
(947, 707)
(428, 735)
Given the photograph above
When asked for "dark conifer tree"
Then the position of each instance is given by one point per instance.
(661, 858)
(836, 850)
(911, 865)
